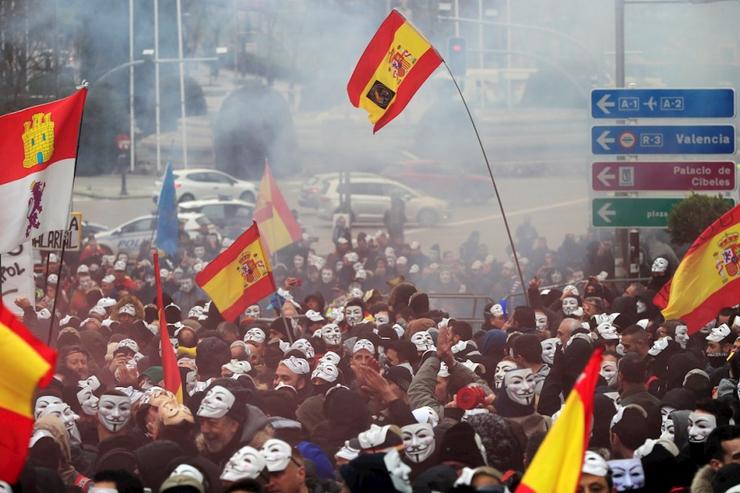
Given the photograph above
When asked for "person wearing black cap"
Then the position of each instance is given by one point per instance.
(461, 447)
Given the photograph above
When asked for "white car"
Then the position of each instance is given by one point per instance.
(204, 183)
(371, 197)
(231, 217)
(128, 236)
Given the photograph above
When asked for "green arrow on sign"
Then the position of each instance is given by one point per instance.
(624, 212)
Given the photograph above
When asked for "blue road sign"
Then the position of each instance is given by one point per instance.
(662, 103)
(663, 139)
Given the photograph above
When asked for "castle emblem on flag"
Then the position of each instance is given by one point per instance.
(728, 257)
(38, 140)
(400, 62)
(34, 206)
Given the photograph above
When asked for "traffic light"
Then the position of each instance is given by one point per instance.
(457, 56)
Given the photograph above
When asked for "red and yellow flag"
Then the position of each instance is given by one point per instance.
(277, 224)
(26, 364)
(708, 277)
(556, 466)
(172, 380)
(393, 67)
(240, 276)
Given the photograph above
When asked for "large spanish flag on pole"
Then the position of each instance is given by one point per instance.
(393, 67)
(172, 380)
(556, 467)
(38, 150)
(26, 364)
(240, 276)
(276, 223)
(708, 277)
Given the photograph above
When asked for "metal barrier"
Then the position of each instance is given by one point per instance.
(466, 307)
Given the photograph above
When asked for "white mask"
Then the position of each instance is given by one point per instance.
(353, 315)
(88, 401)
(502, 368)
(252, 311)
(641, 306)
(326, 276)
(422, 340)
(570, 305)
(298, 261)
(114, 411)
(549, 346)
(246, 463)
(627, 474)
(43, 402)
(188, 470)
(665, 411)
(608, 371)
(305, 347)
(682, 335)
(418, 441)
(700, 426)
(216, 403)
(398, 471)
(519, 384)
(331, 334)
(199, 252)
(382, 318)
(68, 417)
(660, 265)
(255, 335)
(659, 346)
(668, 429)
(541, 321)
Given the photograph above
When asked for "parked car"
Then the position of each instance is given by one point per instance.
(370, 198)
(316, 185)
(231, 217)
(442, 180)
(203, 183)
(128, 236)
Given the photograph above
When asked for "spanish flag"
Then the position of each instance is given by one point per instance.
(708, 277)
(38, 152)
(556, 466)
(393, 67)
(240, 276)
(26, 364)
(277, 224)
(172, 380)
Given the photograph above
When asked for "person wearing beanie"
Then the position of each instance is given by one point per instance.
(462, 447)
(676, 400)
(221, 414)
(151, 460)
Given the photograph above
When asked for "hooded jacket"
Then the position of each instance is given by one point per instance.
(67, 472)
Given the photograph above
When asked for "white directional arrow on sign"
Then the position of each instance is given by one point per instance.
(604, 104)
(605, 176)
(604, 140)
(605, 212)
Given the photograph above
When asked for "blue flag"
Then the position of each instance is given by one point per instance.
(167, 225)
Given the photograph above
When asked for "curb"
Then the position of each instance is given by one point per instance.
(110, 197)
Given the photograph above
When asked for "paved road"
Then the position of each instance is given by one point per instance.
(556, 205)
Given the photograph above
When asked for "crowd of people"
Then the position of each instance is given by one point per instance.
(349, 379)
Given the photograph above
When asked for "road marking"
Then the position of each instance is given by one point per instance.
(519, 212)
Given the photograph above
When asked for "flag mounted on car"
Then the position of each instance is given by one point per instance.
(240, 276)
(38, 151)
(393, 67)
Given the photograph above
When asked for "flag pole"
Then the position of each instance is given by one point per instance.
(493, 182)
(56, 294)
